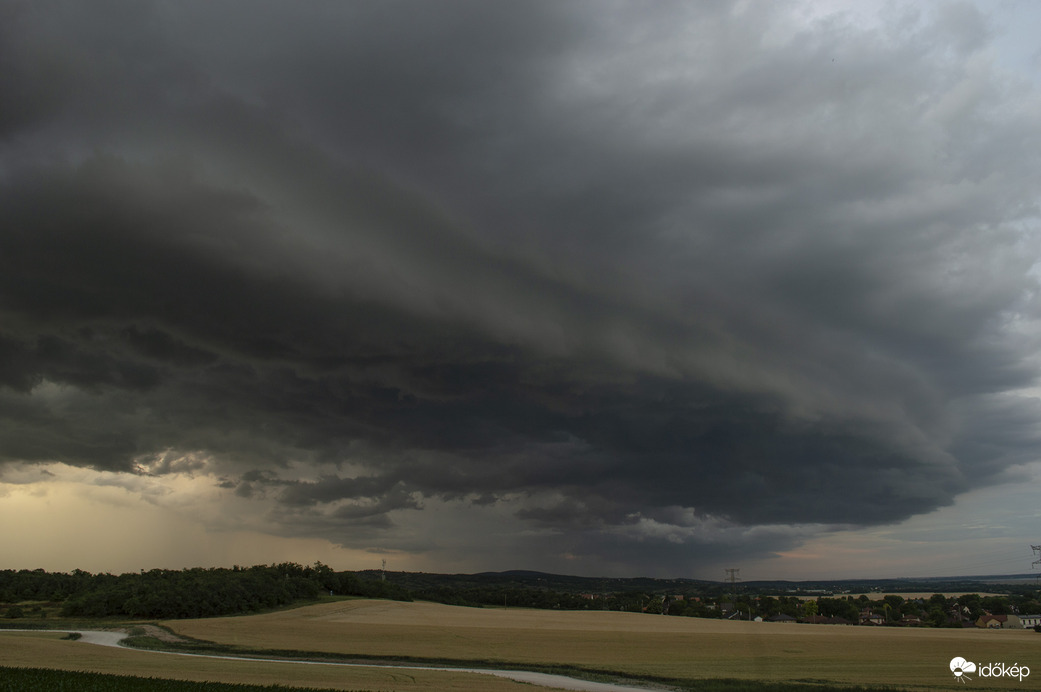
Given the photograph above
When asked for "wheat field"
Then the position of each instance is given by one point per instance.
(637, 644)
(676, 647)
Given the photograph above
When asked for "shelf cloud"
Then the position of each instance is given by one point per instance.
(621, 284)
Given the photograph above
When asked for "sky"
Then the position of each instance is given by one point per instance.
(595, 288)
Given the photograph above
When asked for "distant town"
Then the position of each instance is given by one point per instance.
(997, 601)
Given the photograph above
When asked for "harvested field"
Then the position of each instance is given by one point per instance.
(909, 596)
(631, 643)
(49, 650)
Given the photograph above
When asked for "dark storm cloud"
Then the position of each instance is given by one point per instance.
(645, 277)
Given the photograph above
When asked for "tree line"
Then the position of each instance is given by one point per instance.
(936, 610)
(208, 592)
(189, 593)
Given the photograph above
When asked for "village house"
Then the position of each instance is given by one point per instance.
(782, 618)
(1030, 620)
(990, 622)
(1004, 622)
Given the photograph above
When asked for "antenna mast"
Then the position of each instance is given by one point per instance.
(383, 572)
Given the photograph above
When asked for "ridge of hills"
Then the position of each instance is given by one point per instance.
(529, 579)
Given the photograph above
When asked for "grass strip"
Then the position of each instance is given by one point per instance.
(22, 679)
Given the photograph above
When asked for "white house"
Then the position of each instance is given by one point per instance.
(1030, 621)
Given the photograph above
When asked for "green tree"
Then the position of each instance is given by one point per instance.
(938, 600)
(911, 608)
(997, 605)
(678, 607)
(849, 611)
(972, 602)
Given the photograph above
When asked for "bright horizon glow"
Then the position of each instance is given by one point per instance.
(118, 522)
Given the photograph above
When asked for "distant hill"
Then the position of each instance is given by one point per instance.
(539, 580)
(528, 579)
(997, 582)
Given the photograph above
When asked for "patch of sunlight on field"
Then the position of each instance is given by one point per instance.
(690, 648)
(48, 650)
